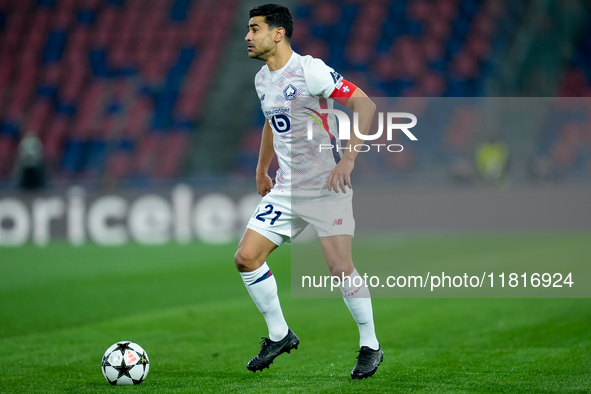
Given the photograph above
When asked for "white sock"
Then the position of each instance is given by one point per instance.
(357, 299)
(262, 287)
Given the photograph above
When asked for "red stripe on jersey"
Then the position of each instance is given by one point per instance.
(342, 94)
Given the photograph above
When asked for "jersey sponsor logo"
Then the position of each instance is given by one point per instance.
(290, 92)
(277, 111)
(281, 123)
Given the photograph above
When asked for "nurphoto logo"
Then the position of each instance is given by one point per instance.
(344, 129)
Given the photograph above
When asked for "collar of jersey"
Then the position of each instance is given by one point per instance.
(276, 73)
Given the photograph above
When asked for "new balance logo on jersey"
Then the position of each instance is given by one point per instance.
(337, 79)
(337, 222)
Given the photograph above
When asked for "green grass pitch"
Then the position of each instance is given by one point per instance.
(62, 306)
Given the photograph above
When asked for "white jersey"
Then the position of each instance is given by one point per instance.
(290, 97)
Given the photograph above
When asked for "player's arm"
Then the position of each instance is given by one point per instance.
(266, 154)
(361, 104)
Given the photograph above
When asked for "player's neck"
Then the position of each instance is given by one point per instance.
(280, 58)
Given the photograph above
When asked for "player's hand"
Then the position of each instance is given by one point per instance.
(341, 176)
(264, 184)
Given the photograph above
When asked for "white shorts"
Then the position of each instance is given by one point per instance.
(281, 216)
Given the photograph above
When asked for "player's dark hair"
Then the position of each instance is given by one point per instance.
(275, 16)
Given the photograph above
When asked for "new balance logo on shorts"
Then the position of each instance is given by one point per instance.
(337, 222)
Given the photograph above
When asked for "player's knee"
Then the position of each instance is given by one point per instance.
(240, 260)
(244, 261)
(341, 270)
(338, 272)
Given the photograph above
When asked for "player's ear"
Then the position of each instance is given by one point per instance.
(279, 34)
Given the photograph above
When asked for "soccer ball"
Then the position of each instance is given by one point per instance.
(125, 363)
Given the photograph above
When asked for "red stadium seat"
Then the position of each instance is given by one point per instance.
(207, 62)
(317, 48)
(358, 52)
(573, 83)
(136, 123)
(327, 13)
(478, 47)
(66, 5)
(16, 106)
(363, 31)
(51, 74)
(432, 84)
(432, 49)
(494, 8)
(135, 6)
(40, 21)
(419, 10)
(109, 128)
(175, 145)
(153, 19)
(126, 38)
(171, 36)
(438, 28)
(78, 39)
(446, 10)
(146, 154)
(386, 67)
(54, 138)
(89, 4)
(7, 154)
(483, 26)
(160, 5)
(464, 65)
(63, 20)
(23, 6)
(38, 116)
(118, 165)
(5, 76)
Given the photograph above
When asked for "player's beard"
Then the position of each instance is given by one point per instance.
(261, 52)
(260, 55)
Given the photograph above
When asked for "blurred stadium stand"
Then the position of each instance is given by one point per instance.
(454, 48)
(114, 88)
(129, 91)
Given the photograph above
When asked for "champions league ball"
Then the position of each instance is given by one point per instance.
(125, 363)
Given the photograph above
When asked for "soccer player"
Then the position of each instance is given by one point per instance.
(317, 180)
